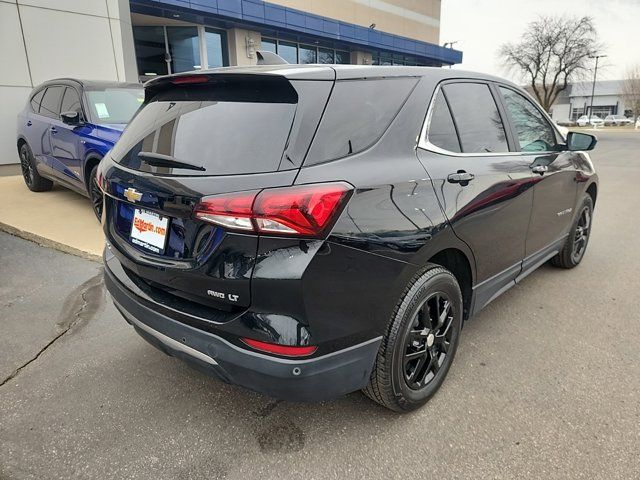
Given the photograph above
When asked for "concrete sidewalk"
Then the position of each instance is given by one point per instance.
(60, 219)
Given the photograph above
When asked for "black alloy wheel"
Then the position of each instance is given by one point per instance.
(428, 341)
(25, 165)
(32, 178)
(581, 235)
(95, 193)
(422, 338)
(576, 244)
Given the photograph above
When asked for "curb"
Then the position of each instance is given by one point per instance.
(46, 242)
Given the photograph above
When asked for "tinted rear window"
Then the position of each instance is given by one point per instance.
(358, 113)
(476, 115)
(442, 131)
(50, 105)
(230, 128)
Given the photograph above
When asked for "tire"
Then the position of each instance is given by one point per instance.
(418, 349)
(575, 246)
(30, 174)
(95, 194)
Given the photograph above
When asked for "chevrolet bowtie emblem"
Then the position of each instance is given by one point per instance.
(132, 194)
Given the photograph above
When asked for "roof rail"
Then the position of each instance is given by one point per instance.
(269, 58)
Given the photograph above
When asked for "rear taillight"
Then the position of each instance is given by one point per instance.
(304, 210)
(284, 350)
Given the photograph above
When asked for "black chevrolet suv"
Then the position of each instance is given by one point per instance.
(308, 231)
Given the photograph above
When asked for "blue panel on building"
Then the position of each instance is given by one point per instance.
(262, 15)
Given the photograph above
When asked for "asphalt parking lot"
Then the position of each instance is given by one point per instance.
(545, 384)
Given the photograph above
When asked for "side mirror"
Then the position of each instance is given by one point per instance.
(70, 118)
(578, 141)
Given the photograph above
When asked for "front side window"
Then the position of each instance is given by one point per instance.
(114, 105)
(535, 134)
(442, 131)
(476, 115)
(71, 101)
(50, 106)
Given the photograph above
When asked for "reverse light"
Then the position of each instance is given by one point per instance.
(302, 210)
(284, 350)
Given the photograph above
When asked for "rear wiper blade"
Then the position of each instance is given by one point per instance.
(159, 160)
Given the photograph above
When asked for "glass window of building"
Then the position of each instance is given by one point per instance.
(342, 57)
(325, 55)
(288, 51)
(150, 50)
(307, 54)
(216, 48)
(184, 49)
(268, 44)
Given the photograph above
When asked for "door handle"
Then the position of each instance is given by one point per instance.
(54, 130)
(541, 169)
(29, 123)
(461, 177)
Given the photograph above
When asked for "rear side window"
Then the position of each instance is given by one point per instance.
(358, 113)
(442, 131)
(535, 134)
(477, 118)
(50, 105)
(35, 101)
(235, 127)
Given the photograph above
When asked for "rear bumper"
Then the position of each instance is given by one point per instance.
(314, 379)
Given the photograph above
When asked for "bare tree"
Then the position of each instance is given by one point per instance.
(552, 52)
(631, 90)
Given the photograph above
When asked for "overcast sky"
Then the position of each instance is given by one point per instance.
(481, 26)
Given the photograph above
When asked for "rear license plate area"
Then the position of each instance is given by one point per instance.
(149, 230)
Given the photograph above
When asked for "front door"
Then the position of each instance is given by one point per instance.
(554, 170)
(484, 188)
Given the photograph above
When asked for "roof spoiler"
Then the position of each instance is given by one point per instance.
(269, 58)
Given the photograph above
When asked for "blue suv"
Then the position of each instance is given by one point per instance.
(65, 129)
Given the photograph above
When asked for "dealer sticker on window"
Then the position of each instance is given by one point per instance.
(149, 230)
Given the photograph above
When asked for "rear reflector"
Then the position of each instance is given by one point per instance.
(284, 350)
(303, 210)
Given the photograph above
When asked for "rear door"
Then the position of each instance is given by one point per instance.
(554, 169)
(483, 187)
(236, 133)
(65, 141)
(43, 124)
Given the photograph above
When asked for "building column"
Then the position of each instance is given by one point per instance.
(242, 46)
(361, 58)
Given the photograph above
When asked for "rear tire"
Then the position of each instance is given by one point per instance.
(30, 174)
(575, 246)
(420, 344)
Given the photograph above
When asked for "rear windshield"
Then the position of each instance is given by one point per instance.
(114, 105)
(227, 128)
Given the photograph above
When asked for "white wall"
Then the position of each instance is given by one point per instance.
(45, 39)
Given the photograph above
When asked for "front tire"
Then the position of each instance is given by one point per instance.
(30, 174)
(420, 344)
(95, 193)
(575, 246)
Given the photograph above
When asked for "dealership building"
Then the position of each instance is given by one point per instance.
(134, 40)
